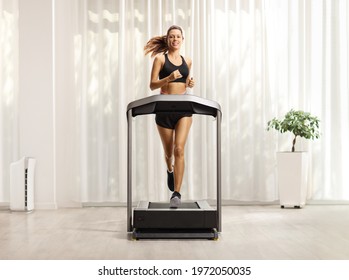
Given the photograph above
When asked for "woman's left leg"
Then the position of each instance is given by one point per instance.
(181, 134)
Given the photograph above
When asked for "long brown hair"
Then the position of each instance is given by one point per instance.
(158, 44)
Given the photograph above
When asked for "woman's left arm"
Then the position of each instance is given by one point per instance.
(190, 80)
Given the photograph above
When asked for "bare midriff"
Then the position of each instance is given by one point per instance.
(174, 88)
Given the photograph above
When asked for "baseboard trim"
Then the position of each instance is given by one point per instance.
(225, 203)
(47, 206)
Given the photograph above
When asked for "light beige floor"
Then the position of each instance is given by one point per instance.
(249, 232)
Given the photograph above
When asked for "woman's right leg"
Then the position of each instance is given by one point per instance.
(167, 136)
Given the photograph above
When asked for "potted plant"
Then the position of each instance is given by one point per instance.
(293, 166)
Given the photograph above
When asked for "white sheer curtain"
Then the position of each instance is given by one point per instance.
(8, 93)
(307, 57)
(257, 58)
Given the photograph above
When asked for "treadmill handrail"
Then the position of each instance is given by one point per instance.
(187, 103)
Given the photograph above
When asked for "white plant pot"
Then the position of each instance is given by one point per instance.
(292, 171)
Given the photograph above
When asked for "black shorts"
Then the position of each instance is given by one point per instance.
(169, 120)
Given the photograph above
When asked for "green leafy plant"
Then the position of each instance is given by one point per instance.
(299, 123)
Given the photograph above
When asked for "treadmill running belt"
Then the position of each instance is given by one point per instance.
(184, 205)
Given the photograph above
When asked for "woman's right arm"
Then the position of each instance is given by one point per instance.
(155, 83)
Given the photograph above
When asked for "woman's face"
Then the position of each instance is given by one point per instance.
(174, 39)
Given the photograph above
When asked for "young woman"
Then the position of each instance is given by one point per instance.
(170, 73)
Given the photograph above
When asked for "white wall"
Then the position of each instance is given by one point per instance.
(36, 110)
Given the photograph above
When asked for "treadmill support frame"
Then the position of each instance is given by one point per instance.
(218, 115)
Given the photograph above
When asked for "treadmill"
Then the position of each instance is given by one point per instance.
(156, 220)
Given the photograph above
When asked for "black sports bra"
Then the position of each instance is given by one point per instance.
(169, 67)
